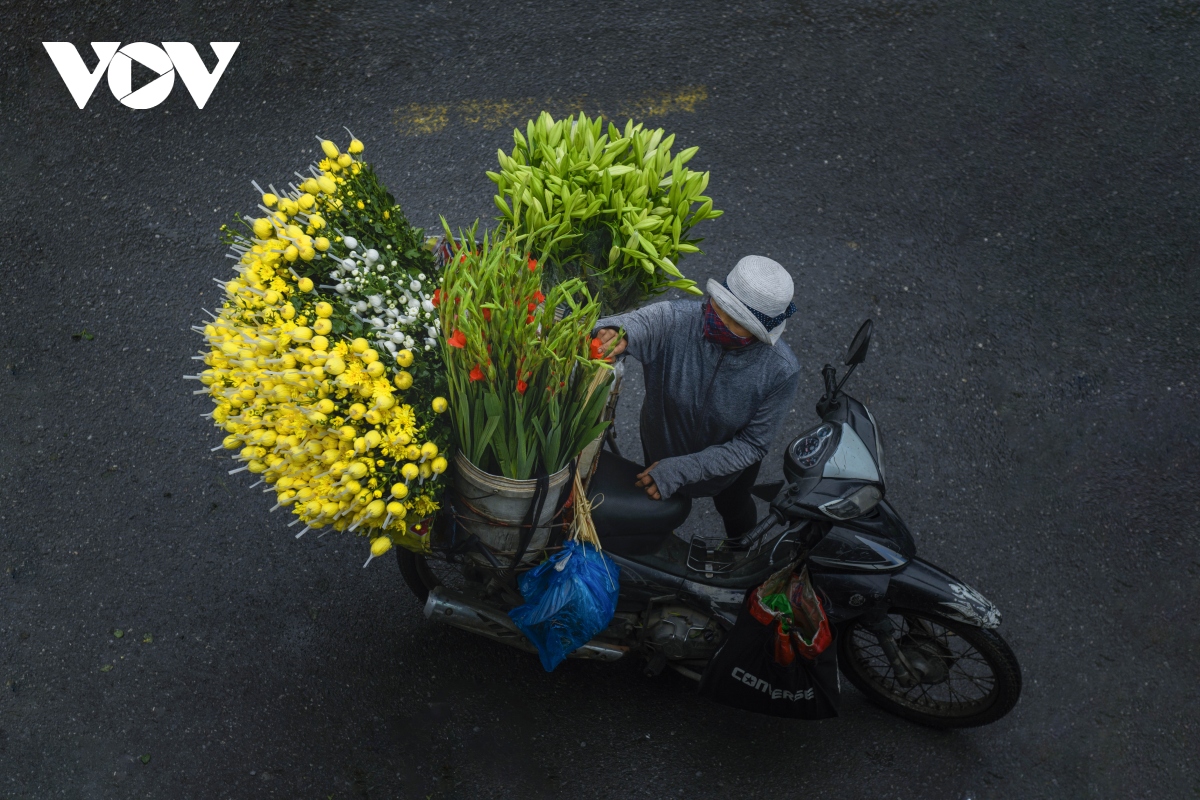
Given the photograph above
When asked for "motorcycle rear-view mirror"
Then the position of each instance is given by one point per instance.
(857, 352)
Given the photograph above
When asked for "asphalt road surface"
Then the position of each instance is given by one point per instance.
(1009, 189)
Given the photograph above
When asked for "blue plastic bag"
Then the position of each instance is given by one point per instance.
(569, 598)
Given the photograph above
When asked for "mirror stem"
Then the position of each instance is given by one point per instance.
(846, 377)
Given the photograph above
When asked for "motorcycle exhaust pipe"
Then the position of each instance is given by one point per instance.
(456, 610)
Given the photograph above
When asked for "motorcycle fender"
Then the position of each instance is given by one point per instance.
(847, 595)
(923, 587)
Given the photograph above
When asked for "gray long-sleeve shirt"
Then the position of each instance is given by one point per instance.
(709, 412)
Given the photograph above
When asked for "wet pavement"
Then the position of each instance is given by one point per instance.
(1009, 190)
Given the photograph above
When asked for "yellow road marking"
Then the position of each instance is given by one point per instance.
(419, 119)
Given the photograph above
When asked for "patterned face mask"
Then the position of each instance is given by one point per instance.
(718, 333)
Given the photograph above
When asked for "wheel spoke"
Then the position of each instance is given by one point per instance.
(963, 684)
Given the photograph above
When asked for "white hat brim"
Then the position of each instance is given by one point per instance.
(735, 308)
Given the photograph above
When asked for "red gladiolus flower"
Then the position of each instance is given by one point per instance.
(521, 387)
(458, 339)
(529, 320)
(437, 297)
(539, 297)
(487, 314)
(461, 259)
(531, 307)
(476, 374)
(532, 264)
(597, 350)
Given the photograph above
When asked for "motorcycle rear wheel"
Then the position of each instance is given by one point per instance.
(422, 574)
(972, 676)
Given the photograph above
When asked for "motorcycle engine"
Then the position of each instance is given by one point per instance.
(679, 632)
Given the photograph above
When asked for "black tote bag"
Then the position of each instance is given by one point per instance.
(744, 674)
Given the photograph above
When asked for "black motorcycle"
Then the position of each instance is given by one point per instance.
(917, 641)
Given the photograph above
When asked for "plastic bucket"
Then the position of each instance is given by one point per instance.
(493, 507)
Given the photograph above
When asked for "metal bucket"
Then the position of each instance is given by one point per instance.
(493, 507)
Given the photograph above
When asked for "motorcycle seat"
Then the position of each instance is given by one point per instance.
(627, 520)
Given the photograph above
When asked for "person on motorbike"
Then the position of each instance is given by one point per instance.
(719, 381)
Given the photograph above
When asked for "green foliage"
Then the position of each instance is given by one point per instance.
(524, 393)
(613, 208)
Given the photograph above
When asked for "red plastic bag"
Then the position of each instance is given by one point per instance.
(810, 631)
(788, 603)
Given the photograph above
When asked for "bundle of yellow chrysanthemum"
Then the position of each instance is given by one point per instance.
(323, 362)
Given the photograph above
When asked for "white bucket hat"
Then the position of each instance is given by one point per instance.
(757, 294)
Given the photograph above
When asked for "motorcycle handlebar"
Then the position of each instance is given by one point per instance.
(770, 521)
(829, 373)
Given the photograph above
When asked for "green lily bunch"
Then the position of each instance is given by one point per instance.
(613, 208)
(525, 394)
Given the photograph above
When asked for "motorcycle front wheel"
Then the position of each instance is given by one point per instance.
(967, 676)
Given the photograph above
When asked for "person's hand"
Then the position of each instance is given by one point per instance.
(611, 341)
(645, 481)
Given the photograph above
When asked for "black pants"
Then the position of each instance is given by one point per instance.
(735, 504)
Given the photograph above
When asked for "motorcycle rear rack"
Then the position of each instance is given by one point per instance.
(715, 555)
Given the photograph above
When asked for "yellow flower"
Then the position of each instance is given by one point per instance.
(439, 404)
(399, 491)
(355, 146)
(404, 358)
(322, 326)
(321, 243)
(404, 417)
(304, 284)
(329, 148)
(403, 380)
(263, 228)
(269, 200)
(344, 160)
(438, 465)
(326, 184)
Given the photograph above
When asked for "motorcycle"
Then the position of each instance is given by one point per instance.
(915, 640)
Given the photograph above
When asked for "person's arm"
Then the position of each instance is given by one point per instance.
(748, 446)
(646, 331)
